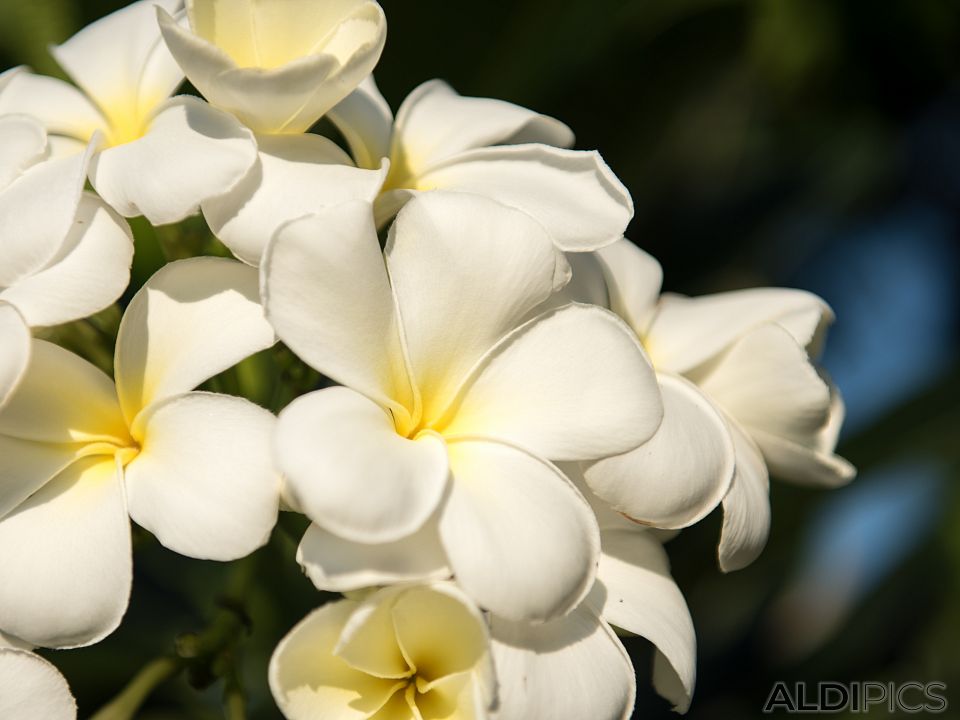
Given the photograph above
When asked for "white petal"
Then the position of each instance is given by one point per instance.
(569, 669)
(204, 482)
(435, 123)
(36, 213)
(33, 689)
(15, 352)
(636, 593)
(365, 120)
(65, 558)
(572, 384)
(310, 682)
(573, 194)
(633, 281)
(23, 142)
(520, 539)
(59, 106)
(63, 399)
(26, 466)
(295, 175)
(681, 474)
(746, 508)
(466, 270)
(767, 384)
(338, 565)
(91, 271)
(285, 85)
(121, 60)
(687, 332)
(191, 152)
(193, 319)
(350, 472)
(327, 293)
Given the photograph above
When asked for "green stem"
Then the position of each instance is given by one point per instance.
(128, 702)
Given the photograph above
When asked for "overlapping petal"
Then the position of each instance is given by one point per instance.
(572, 384)
(295, 175)
(23, 142)
(60, 107)
(65, 558)
(435, 123)
(91, 270)
(636, 593)
(15, 355)
(327, 293)
(746, 508)
(193, 319)
(366, 121)
(338, 565)
(350, 472)
(465, 270)
(633, 280)
(204, 481)
(681, 474)
(571, 668)
(189, 152)
(520, 539)
(33, 689)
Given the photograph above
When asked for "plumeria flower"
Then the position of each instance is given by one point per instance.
(33, 689)
(279, 69)
(741, 397)
(64, 254)
(405, 652)
(443, 141)
(159, 156)
(450, 403)
(79, 454)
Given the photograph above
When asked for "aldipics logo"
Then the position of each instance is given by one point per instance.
(858, 697)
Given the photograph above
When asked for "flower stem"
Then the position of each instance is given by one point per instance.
(125, 705)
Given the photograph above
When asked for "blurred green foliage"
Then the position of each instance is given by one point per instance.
(753, 134)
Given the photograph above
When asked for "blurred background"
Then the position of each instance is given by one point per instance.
(806, 143)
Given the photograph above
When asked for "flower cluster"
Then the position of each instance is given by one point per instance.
(515, 417)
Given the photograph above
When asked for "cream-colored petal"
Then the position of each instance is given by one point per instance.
(204, 482)
(681, 474)
(65, 558)
(365, 120)
(26, 466)
(573, 384)
(57, 105)
(91, 271)
(633, 280)
(637, 593)
(327, 293)
(23, 142)
(193, 319)
(571, 668)
(63, 399)
(520, 539)
(121, 62)
(295, 175)
(466, 270)
(746, 508)
(33, 689)
(189, 153)
(338, 565)
(351, 473)
(436, 123)
(310, 682)
(573, 194)
(15, 352)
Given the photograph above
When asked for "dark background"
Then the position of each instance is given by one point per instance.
(807, 143)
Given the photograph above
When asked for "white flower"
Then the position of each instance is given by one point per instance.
(33, 689)
(451, 402)
(442, 141)
(63, 253)
(419, 651)
(159, 156)
(740, 394)
(78, 454)
(278, 66)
